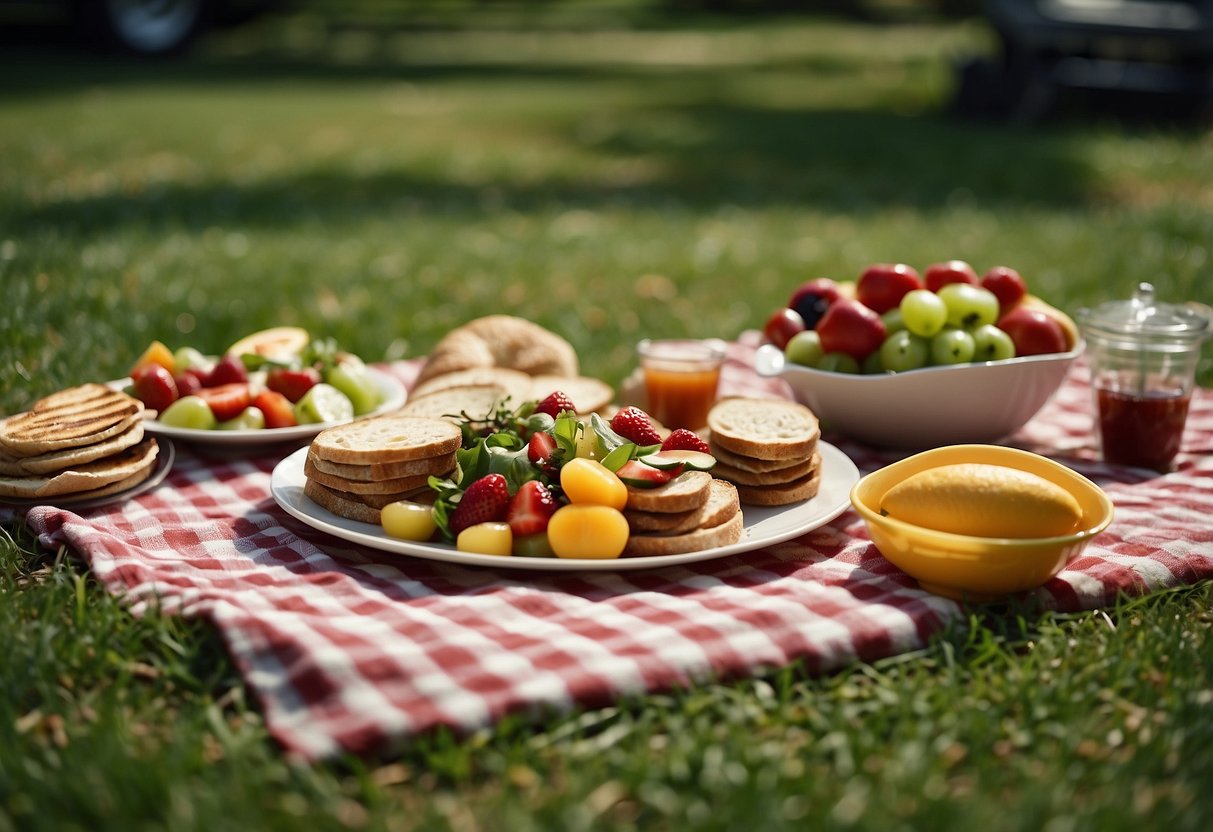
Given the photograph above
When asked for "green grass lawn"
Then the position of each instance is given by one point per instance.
(611, 177)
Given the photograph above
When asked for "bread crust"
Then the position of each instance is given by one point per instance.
(589, 394)
(685, 492)
(339, 504)
(397, 485)
(722, 503)
(514, 383)
(768, 429)
(477, 401)
(391, 437)
(780, 476)
(796, 491)
(380, 471)
(726, 533)
(501, 341)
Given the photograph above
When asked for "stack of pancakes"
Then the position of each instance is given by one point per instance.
(356, 469)
(767, 448)
(83, 442)
(691, 512)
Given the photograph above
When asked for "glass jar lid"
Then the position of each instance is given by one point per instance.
(1145, 320)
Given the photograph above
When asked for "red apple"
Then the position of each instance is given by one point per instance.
(782, 325)
(953, 271)
(1033, 332)
(1007, 285)
(882, 285)
(812, 298)
(849, 326)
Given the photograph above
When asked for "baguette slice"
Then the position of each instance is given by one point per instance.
(380, 471)
(71, 418)
(70, 457)
(722, 504)
(393, 486)
(128, 463)
(517, 384)
(683, 493)
(770, 429)
(392, 437)
(795, 491)
(588, 394)
(740, 476)
(478, 402)
(724, 534)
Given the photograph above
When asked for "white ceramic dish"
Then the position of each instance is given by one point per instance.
(391, 390)
(164, 463)
(927, 408)
(763, 526)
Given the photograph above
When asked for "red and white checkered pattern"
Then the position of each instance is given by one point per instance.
(356, 650)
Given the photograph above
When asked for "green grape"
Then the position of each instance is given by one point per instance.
(251, 418)
(804, 348)
(952, 346)
(903, 351)
(188, 358)
(838, 362)
(873, 364)
(893, 322)
(356, 382)
(992, 344)
(323, 403)
(189, 412)
(923, 312)
(969, 306)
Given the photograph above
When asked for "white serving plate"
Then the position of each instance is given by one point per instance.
(926, 408)
(763, 526)
(393, 398)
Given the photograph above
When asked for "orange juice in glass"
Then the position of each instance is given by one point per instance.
(680, 379)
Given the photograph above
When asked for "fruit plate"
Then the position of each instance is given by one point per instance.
(164, 463)
(391, 390)
(763, 526)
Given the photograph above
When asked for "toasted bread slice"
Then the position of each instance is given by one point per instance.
(456, 403)
(379, 471)
(517, 384)
(139, 459)
(795, 491)
(392, 486)
(685, 492)
(724, 534)
(71, 457)
(341, 504)
(71, 418)
(771, 429)
(722, 503)
(746, 463)
(588, 394)
(392, 437)
(780, 476)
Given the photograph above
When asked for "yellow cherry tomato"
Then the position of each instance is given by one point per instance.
(585, 530)
(588, 481)
(408, 520)
(486, 539)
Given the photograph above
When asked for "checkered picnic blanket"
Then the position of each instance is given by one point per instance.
(357, 650)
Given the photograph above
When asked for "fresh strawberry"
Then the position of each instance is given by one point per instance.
(292, 383)
(682, 439)
(531, 509)
(188, 382)
(541, 447)
(634, 425)
(555, 404)
(276, 408)
(227, 370)
(485, 501)
(227, 401)
(154, 386)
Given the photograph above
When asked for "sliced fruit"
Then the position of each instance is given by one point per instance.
(277, 408)
(668, 460)
(638, 475)
(353, 379)
(407, 520)
(588, 531)
(634, 425)
(251, 418)
(485, 501)
(682, 439)
(227, 370)
(292, 383)
(540, 447)
(486, 539)
(156, 353)
(226, 401)
(154, 386)
(589, 481)
(531, 509)
(323, 403)
(281, 343)
(189, 412)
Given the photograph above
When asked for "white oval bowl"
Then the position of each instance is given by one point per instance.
(927, 408)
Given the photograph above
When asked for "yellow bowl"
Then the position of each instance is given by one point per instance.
(978, 568)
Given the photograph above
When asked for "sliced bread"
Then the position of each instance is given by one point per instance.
(685, 492)
(740, 476)
(396, 485)
(588, 394)
(795, 491)
(724, 534)
(517, 384)
(340, 504)
(379, 471)
(721, 504)
(770, 429)
(392, 437)
(457, 403)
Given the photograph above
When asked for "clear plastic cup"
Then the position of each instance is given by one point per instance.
(681, 378)
(1143, 357)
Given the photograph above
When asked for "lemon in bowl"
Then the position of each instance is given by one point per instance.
(978, 522)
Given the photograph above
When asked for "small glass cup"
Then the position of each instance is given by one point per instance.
(680, 379)
(1143, 357)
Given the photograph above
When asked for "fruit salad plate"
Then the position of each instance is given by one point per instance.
(763, 526)
(391, 394)
(78, 502)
